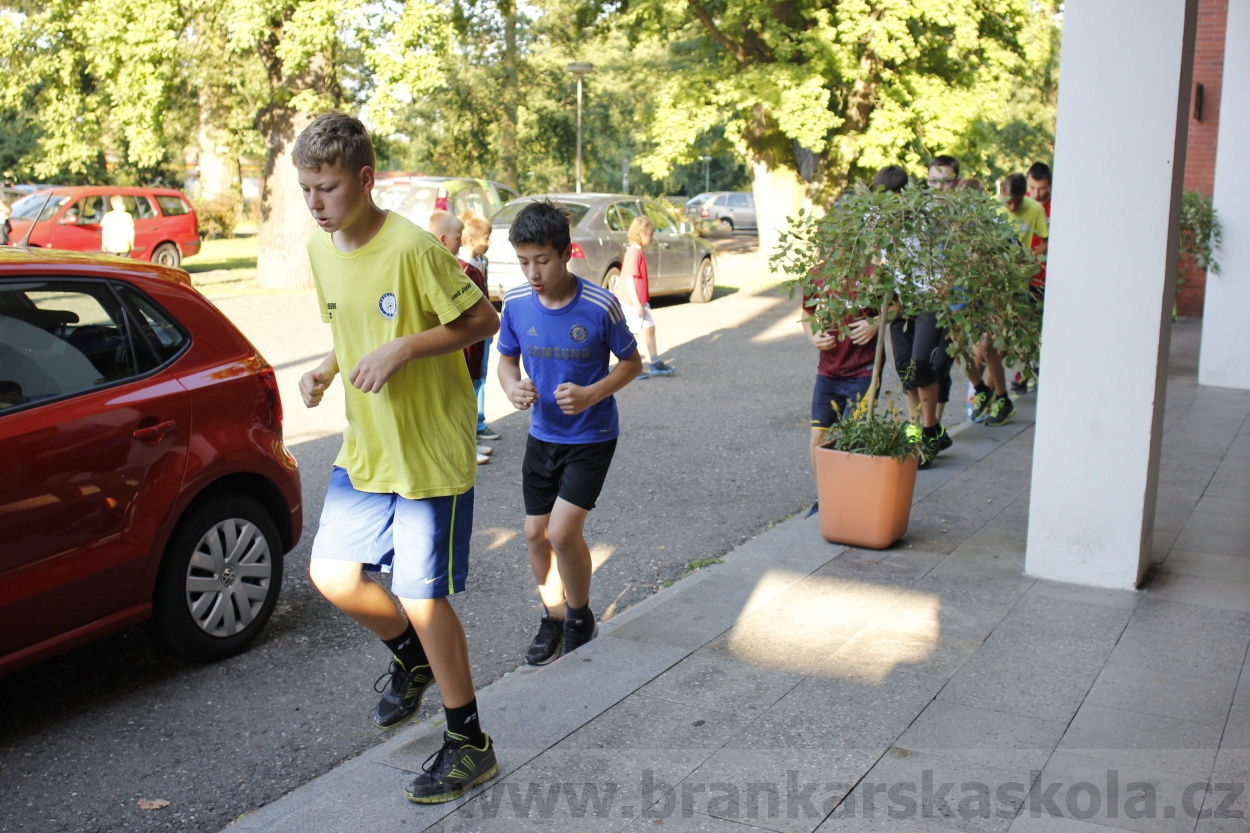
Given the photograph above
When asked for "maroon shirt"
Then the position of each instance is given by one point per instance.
(474, 352)
(846, 359)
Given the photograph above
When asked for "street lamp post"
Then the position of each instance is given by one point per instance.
(707, 181)
(579, 69)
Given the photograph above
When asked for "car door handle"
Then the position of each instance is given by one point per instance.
(153, 434)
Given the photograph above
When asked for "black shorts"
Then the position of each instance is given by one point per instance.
(920, 355)
(573, 472)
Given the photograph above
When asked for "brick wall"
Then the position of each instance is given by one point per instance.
(1200, 160)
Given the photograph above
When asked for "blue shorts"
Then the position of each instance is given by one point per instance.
(423, 543)
(828, 390)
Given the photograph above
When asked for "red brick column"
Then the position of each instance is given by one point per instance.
(1200, 162)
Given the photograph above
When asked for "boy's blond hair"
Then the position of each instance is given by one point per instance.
(444, 222)
(638, 227)
(970, 184)
(334, 138)
(476, 229)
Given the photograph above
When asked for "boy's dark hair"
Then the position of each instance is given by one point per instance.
(334, 138)
(945, 162)
(541, 223)
(890, 178)
(1014, 186)
(1039, 172)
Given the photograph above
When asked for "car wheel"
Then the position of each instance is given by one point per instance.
(704, 282)
(167, 254)
(611, 279)
(727, 225)
(219, 579)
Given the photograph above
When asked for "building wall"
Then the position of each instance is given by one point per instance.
(1200, 164)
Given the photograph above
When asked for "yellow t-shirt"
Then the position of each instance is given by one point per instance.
(415, 437)
(1030, 219)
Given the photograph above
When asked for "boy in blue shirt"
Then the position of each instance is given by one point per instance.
(565, 327)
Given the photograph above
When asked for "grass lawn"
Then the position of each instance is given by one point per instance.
(230, 253)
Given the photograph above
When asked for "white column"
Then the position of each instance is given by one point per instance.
(1119, 163)
(1225, 360)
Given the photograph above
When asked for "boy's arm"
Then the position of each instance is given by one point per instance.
(573, 399)
(520, 392)
(477, 323)
(821, 341)
(313, 384)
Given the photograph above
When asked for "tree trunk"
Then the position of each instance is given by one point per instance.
(285, 224)
(779, 194)
(510, 94)
(219, 168)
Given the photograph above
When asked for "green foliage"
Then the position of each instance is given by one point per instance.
(1201, 233)
(885, 434)
(953, 253)
(218, 216)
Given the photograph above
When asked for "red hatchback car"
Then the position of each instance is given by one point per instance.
(142, 469)
(166, 229)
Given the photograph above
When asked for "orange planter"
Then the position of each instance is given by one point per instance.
(864, 501)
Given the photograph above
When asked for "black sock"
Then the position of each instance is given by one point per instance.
(933, 430)
(582, 614)
(463, 721)
(558, 614)
(407, 648)
(984, 388)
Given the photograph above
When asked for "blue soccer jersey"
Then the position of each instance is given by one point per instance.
(569, 344)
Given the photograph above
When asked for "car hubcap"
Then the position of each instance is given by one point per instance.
(229, 577)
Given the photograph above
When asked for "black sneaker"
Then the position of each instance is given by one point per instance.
(453, 770)
(403, 695)
(942, 441)
(487, 433)
(1019, 385)
(981, 404)
(1001, 412)
(578, 632)
(548, 643)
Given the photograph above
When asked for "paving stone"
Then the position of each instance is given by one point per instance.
(1020, 685)
(662, 727)
(1214, 541)
(1230, 483)
(1184, 747)
(1221, 522)
(894, 566)
(795, 638)
(1165, 692)
(1237, 730)
(692, 823)
(1227, 806)
(1206, 565)
(1026, 823)
(1200, 590)
(991, 738)
(878, 650)
(722, 684)
(1239, 507)
(1085, 595)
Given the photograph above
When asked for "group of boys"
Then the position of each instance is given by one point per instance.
(920, 346)
(403, 310)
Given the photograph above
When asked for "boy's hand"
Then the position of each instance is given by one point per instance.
(822, 341)
(523, 394)
(376, 368)
(863, 331)
(312, 386)
(573, 399)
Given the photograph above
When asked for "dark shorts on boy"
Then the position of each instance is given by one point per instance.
(423, 543)
(919, 346)
(575, 473)
(842, 392)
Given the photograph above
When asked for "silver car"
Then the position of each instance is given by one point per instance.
(728, 211)
(678, 262)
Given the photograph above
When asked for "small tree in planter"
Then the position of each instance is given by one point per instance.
(881, 253)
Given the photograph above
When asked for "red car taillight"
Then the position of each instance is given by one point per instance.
(440, 202)
(269, 383)
(703, 212)
(576, 251)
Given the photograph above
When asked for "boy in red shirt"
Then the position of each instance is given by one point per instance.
(635, 293)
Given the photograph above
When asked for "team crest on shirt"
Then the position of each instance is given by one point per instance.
(578, 333)
(388, 306)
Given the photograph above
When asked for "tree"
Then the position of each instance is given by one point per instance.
(820, 94)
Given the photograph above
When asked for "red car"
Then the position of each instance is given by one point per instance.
(142, 469)
(166, 229)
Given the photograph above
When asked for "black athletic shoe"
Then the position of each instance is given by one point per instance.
(1001, 411)
(453, 770)
(403, 695)
(942, 441)
(548, 643)
(578, 632)
(981, 404)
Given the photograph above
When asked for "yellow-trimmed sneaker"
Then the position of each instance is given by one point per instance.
(453, 770)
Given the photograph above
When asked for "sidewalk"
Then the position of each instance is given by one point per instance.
(800, 686)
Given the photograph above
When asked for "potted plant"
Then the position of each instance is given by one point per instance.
(879, 253)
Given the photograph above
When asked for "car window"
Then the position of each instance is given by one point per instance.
(88, 211)
(172, 206)
(61, 338)
(139, 207)
(739, 201)
(405, 198)
(620, 215)
(27, 207)
(663, 223)
(162, 335)
(508, 213)
(471, 199)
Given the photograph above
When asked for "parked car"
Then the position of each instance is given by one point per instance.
(166, 230)
(679, 263)
(727, 210)
(143, 475)
(417, 197)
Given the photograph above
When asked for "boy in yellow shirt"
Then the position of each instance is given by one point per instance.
(401, 493)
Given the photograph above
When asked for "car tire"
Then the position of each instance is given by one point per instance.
(611, 279)
(704, 282)
(205, 606)
(167, 254)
